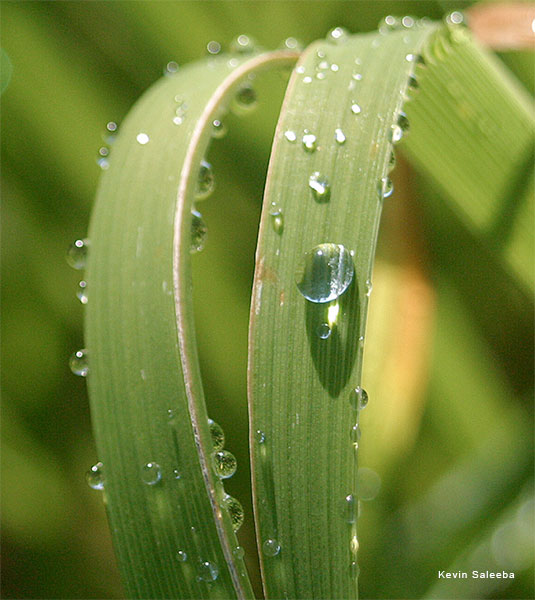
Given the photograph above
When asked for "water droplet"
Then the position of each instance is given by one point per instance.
(323, 331)
(407, 22)
(238, 552)
(309, 141)
(358, 398)
(95, 477)
(368, 483)
(354, 545)
(224, 464)
(354, 570)
(455, 18)
(325, 273)
(338, 35)
(81, 294)
(213, 47)
(104, 151)
(142, 138)
(355, 108)
(354, 435)
(417, 59)
(198, 232)
(111, 126)
(77, 254)
(235, 510)
(219, 129)
(320, 186)
(339, 136)
(218, 435)
(103, 163)
(151, 473)
(350, 508)
(207, 571)
(171, 68)
(170, 414)
(385, 188)
(357, 76)
(177, 474)
(307, 79)
(403, 121)
(271, 547)
(396, 134)
(245, 98)
(290, 136)
(389, 23)
(78, 363)
(277, 220)
(413, 83)
(260, 436)
(182, 556)
(391, 160)
(369, 287)
(243, 44)
(205, 181)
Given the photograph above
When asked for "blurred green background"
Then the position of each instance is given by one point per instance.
(455, 454)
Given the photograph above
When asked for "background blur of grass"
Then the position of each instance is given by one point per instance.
(458, 492)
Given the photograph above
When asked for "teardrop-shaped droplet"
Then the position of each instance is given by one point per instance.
(77, 254)
(323, 331)
(218, 435)
(309, 141)
(78, 363)
(271, 547)
(205, 181)
(151, 473)
(235, 510)
(182, 556)
(325, 272)
(207, 571)
(81, 293)
(358, 398)
(320, 186)
(198, 232)
(350, 508)
(224, 463)
(95, 476)
(219, 129)
(339, 136)
(385, 188)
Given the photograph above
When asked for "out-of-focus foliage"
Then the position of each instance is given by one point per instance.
(457, 491)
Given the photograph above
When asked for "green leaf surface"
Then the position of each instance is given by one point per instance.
(144, 383)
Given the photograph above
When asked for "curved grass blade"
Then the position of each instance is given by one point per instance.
(306, 354)
(172, 536)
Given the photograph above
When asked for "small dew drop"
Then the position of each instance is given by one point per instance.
(78, 363)
(413, 83)
(213, 47)
(245, 98)
(325, 273)
(358, 398)
(243, 44)
(238, 552)
(396, 134)
(403, 122)
(369, 287)
(235, 510)
(320, 186)
(339, 136)
(224, 464)
(207, 571)
(271, 547)
(81, 293)
(198, 232)
(205, 181)
(309, 141)
(385, 188)
(338, 35)
(217, 434)
(354, 570)
(142, 138)
(182, 556)
(357, 76)
(171, 68)
(219, 129)
(355, 108)
(350, 508)
(151, 473)
(290, 136)
(354, 435)
(323, 331)
(103, 163)
(177, 474)
(417, 59)
(260, 436)
(95, 476)
(389, 23)
(407, 22)
(392, 160)
(277, 219)
(103, 151)
(307, 79)
(77, 254)
(111, 126)
(455, 18)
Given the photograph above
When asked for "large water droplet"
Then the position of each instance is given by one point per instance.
(151, 473)
(77, 254)
(235, 510)
(271, 547)
(182, 556)
(205, 181)
(198, 232)
(81, 293)
(207, 571)
(309, 141)
(350, 508)
(323, 331)
(325, 273)
(358, 398)
(218, 435)
(385, 188)
(95, 476)
(320, 186)
(78, 363)
(224, 463)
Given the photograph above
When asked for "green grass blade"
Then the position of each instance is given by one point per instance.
(144, 383)
(301, 386)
